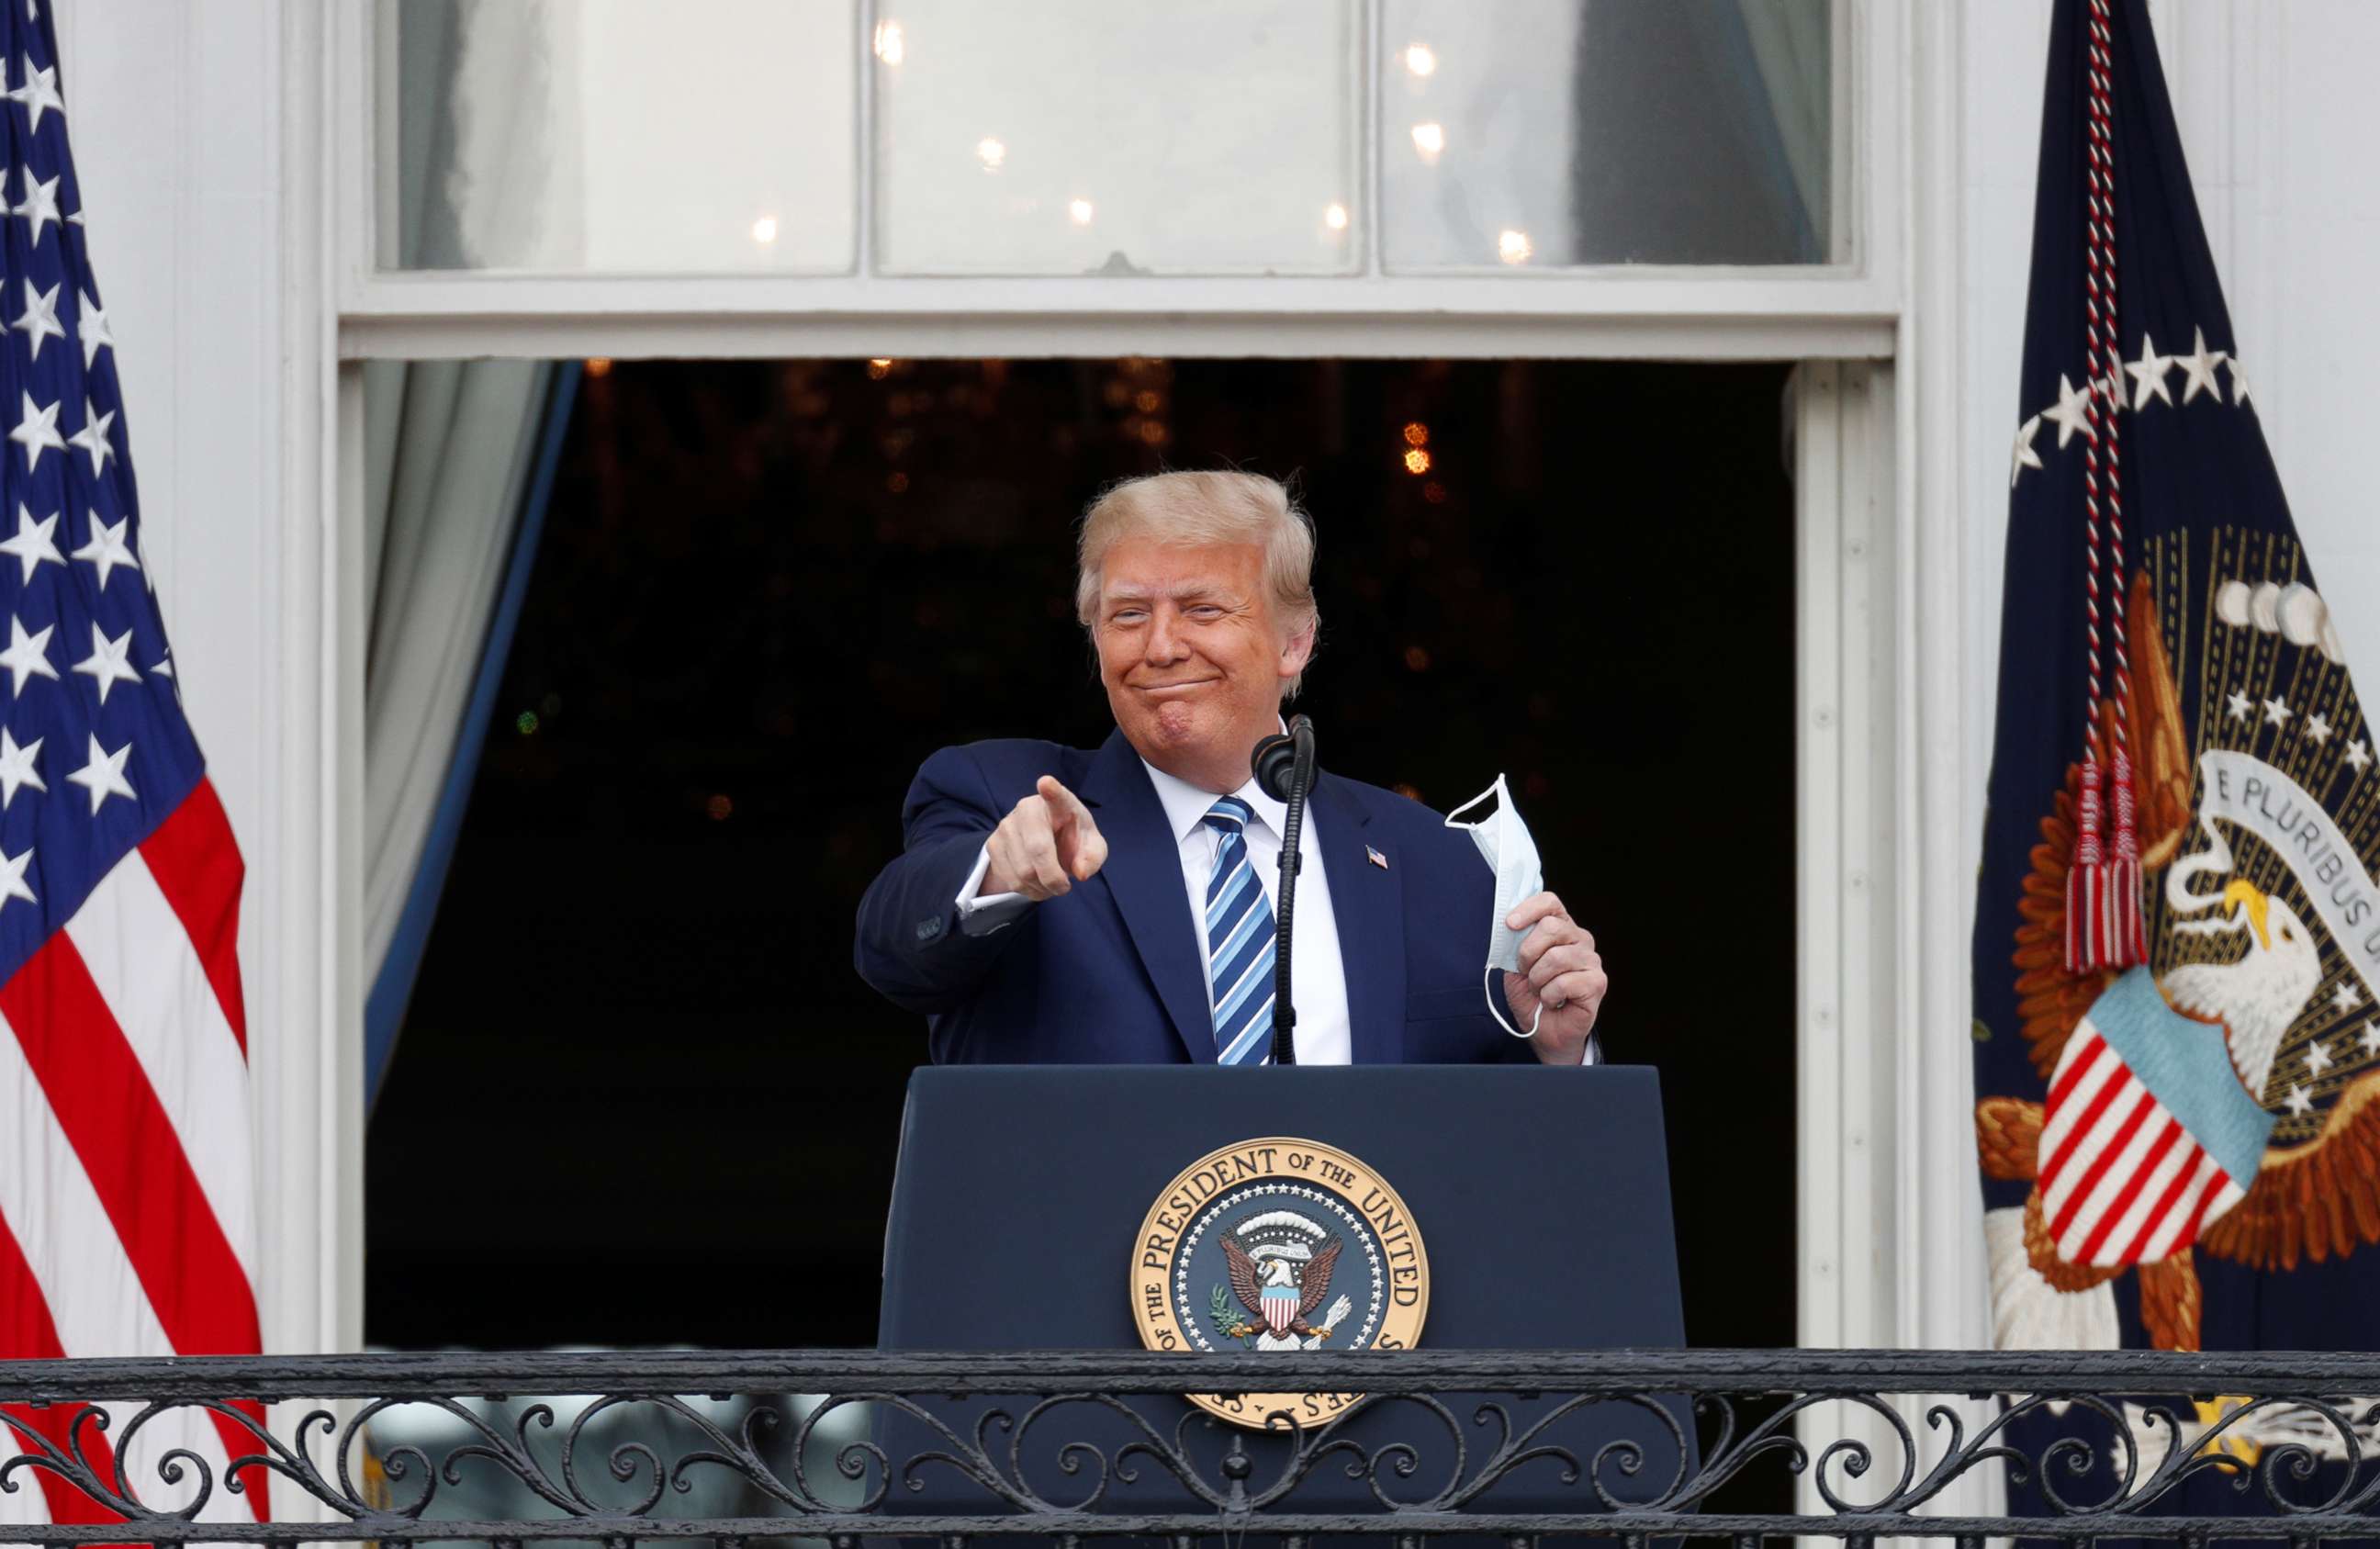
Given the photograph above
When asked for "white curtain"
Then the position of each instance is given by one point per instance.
(1793, 45)
(449, 448)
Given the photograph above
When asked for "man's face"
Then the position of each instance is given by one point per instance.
(1191, 656)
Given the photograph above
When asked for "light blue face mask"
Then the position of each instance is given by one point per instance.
(1511, 855)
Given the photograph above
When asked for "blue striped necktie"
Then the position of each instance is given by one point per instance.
(1239, 942)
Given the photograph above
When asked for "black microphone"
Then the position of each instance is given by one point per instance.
(1283, 764)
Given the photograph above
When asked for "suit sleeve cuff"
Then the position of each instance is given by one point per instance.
(979, 916)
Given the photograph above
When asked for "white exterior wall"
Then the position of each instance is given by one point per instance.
(177, 113)
(193, 156)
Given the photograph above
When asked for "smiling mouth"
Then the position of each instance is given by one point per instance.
(1176, 688)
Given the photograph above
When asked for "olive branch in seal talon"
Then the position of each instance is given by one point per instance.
(1227, 1319)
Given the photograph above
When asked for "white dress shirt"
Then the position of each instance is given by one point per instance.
(1317, 972)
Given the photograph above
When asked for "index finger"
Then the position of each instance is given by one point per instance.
(1067, 806)
(1536, 907)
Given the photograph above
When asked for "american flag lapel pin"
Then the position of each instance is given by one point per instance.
(1376, 858)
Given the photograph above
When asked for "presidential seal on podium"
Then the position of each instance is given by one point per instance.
(1279, 1244)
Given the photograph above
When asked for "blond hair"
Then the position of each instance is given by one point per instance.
(1208, 506)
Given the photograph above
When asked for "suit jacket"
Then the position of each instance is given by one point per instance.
(1114, 972)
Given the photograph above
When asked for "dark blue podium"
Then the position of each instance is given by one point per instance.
(1542, 1196)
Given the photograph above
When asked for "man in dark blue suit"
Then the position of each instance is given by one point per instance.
(1054, 904)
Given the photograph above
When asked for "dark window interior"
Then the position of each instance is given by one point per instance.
(642, 1098)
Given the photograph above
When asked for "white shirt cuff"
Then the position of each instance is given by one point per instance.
(981, 916)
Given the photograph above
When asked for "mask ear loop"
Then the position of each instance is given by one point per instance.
(1496, 1011)
(1452, 822)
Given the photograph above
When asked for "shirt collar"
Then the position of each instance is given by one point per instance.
(1186, 805)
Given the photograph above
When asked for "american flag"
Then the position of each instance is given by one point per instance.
(127, 1199)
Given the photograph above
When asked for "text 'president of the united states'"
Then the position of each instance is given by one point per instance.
(1059, 904)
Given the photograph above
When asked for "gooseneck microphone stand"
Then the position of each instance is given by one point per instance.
(1283, 764)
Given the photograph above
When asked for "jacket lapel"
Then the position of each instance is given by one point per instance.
(1144, 874)
(1370, 902)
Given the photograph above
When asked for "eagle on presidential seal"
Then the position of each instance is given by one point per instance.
(2223, 1096)
(1279, 1263)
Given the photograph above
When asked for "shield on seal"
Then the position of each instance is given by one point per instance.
(1281, 1306)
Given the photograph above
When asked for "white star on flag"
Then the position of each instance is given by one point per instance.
(12, 877)
(106, 664)
(40, 205)
(28, 655)
(40, 319)
(2238, 384)
(2278, 712)
(92, 436)
(2318, 1060)
(2357, 754)
(2199, 369)
(2298, 1102)
(33, 543)
(2345, 997)
(104, 775)
(2317, 728)
(39, 92)
(37, 428)
(91, 328)
(2239, 703)
(2072, 413)
(2148, 374)
(16, 766)
(2368, 1037)
(2024, 456)
(108, 547)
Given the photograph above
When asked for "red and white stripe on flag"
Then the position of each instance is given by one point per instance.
(127, 1198)
(2121, 1180)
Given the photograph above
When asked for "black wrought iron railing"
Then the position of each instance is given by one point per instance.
(846, 1446)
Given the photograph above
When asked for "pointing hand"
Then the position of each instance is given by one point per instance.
(1045, 844)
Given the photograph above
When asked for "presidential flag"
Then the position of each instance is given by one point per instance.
(2177, 945)
(127, 1193)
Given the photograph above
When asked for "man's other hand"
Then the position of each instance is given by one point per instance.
(1045, 844)
(1560, 970)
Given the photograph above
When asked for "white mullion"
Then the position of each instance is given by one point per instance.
(369, 210)
(1371, 176)
(353, 65)
(1819, 991)
(1846, 185)
(863, 255)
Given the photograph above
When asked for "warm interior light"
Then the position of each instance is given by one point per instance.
(765, 229)
(1417, 461)
(1335, 217)
(1512, 247)
(598, 366)
(991, 153)
(878, 369)
(890, 46)
(1080, 212)
(1420, 59)
(1429, 140)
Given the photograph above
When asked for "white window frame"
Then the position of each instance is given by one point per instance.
(1834, 312)
(1888, 1247)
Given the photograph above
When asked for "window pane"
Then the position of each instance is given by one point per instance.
(1061, 136)
(571, 135)
(1548, 132)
